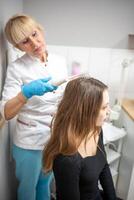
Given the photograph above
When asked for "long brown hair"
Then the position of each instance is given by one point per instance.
(75, 118)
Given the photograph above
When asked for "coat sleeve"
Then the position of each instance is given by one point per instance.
(12, 85)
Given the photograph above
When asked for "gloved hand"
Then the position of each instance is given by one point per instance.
(37, 87)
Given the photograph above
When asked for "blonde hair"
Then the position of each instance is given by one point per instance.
(75, 118)
(19, 27)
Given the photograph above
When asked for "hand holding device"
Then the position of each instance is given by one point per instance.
(37, 87)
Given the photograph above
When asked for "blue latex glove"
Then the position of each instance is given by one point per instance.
(37, 87)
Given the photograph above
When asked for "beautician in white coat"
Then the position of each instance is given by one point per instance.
(29, 95)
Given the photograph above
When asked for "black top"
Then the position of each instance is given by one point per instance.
(77, 178)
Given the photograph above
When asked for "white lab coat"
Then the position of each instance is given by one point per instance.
(39, 110)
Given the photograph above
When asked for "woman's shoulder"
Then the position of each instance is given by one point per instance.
(67, 169)
(24, 59)
(72, 161)
(18, 62)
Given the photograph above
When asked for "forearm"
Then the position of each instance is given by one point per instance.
(13, 106)
(37, 87)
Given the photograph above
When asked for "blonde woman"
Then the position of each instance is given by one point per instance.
(75, 151)
(28, 95)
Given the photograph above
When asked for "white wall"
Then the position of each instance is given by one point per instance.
(98, 23)
(104, 64)
(7, 181)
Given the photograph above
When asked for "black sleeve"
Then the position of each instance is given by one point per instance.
(66, 171)
(106, 182)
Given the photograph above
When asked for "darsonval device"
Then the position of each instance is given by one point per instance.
(57, 82)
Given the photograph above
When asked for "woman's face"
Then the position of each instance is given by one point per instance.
(34, 44)
(105, 109)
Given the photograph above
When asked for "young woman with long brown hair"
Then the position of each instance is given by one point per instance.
(75, 151)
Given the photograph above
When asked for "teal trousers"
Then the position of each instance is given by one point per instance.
(33, 183)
